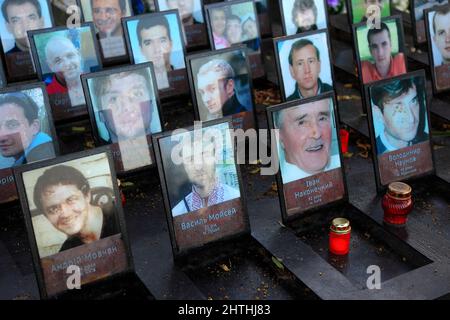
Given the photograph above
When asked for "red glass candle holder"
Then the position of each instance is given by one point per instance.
(340, 231)
(397, 203)
(344, 135)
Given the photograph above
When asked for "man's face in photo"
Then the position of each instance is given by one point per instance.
(127, 106)
(16, 132)
(305, 68)
(66, 207)
(442, 35)
(380, 48)
(234, 31)
(65, 61)
(106, 15)
(401, 115)
(305, 19)
(203, 173)
(185, 7)
(306, 136)
(156, 46)
(23, 18)
(214, 90)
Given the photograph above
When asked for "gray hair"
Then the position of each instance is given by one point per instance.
(217, 65)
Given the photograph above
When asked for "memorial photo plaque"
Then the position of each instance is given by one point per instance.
(299, 16)
(417, 7)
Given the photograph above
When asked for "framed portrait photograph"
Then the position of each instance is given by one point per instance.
(158, 38)
(61, 55)
(125, 111)
(304, 65)
(416, 8)
(221, 86)
(263, 8)
(310, 174)
(232, 23)
(364, 10)
(298, 16)
(64, 11)
(106, 16)
(17, 18)
(399, 126)
(192, 19)
(201, 184)
(27, 133)
(438, 35)
(74, 219)
(380, 52)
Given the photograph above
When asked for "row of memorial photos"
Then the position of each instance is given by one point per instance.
(71, 203)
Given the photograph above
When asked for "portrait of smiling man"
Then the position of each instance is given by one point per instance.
(63, 195)
(305, 140)
(401, 103)
(304, 68)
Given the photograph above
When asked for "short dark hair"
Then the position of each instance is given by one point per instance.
(374, 31)
(234, 17)
(441, 10)
(30, 108)
(302, 6)
(299, 44)
(59, 174)
(5, 5)
(100, 84)
(151, 22)
(122, 5)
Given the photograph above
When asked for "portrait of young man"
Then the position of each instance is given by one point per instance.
(401, 104)
(19, 17)
(63, 56)
(158, 38)
(302, 62)
(63, 195)
(22, 139)
(221, 87)
(106, 16)
(126, 113)
(386, 64)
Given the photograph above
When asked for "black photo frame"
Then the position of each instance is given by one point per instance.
(400, 164)
(284, 25)
(419, 30)
(254, 55)
(248, 120)
(282, 81)
(19, 64)
(243, 222)
(350, 11)
(8, 191)
(177, 79)
(309, 186)
(60, 101)
(401, 47)
(93, 114)
(196, 33)
(123, 266)
(439, 74)
(113, 59)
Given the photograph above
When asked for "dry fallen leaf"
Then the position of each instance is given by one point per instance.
(225, 267)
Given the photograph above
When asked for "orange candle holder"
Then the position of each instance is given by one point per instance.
(339, 238)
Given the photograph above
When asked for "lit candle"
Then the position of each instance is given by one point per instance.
(397, 203)
(340, 236)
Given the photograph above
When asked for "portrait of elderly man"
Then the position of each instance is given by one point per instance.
(185, 9)
(106, 15)
(304, 15)
(155, 43)
(20, 130)
(402, 106)
(126, 104)
(216, 86)
(63, 195)
(206, 189)
(22, 16)
(385, 65)
(304, 68)
(441, 30)
(64, 60)
(305, 137)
